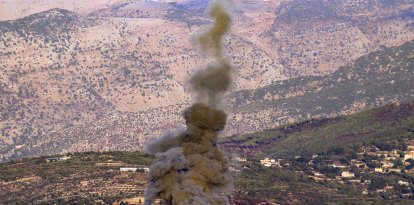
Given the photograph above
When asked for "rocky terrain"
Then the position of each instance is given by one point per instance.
(109, 74)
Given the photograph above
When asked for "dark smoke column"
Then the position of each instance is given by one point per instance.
(190, 168)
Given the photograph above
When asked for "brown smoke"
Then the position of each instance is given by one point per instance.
(190, 168)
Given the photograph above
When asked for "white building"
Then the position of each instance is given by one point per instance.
(403, 183)
(270, 162)
(379, 170)
(128, 169)
(347, 175)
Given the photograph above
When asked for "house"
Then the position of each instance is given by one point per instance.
(403, 183)
(379, 170)
(338, 165)
(347, 175)
(367, 182)
(407, 195)
(387, 164)
(270, 162)
(394, 170)
(128, 169)
(411, 171)
(409, 155)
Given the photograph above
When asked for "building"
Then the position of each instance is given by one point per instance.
(367, 182)
(128, 169)
(409, 155)
(347, 175)
(338, 165)
(403, 183)
(387, 164)
(270, 162)
(394, 170)
(379, 170)
(143, 169)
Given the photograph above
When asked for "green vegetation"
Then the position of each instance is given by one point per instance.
(83, 178)
(319, 136)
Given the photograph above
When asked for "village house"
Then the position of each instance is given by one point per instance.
(270, 162)
(337, 165)
(367, 182)
(387, 164)
(379, 170)
(347, 175)
(400, 182)
(389, 154)
(407, 195)
(409, 155)
(394, 170)
(128, 169)
(355, 181)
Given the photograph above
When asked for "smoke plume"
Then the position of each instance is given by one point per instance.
(190, 169)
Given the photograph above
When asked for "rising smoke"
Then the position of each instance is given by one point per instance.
(190, 169)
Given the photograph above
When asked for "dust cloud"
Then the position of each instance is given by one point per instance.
(190, 168)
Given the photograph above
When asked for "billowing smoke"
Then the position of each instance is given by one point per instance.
(190, 168)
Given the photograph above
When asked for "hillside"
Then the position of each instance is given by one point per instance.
(313, 159)
(371, 81)
(315, 136)
(113, 73)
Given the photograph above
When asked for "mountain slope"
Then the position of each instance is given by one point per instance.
(391, 122)
(373, 80)
(113, 76)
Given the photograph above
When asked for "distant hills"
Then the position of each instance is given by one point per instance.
(106, 75)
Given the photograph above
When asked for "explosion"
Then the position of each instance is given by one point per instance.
(190, 168)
